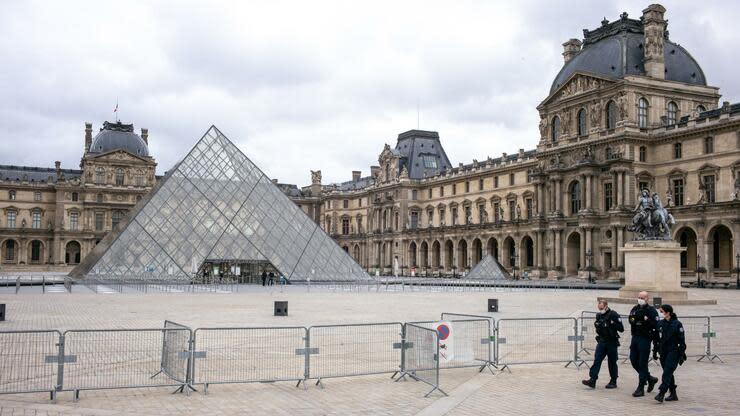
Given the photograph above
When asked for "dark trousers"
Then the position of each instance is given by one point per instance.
(640, 357)
(609, 350)
(669, 362)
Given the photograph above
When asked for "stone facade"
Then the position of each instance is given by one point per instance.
(52, 217)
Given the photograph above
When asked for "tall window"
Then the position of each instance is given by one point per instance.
(414, 220)
(139, 179)
(607, 196)
(430, 218)
(119, 177)
(642, 113)
(430, 193)
(99, 198)
(118, 216)
(359, 224)
(11, 195)
(708, 145)
(36, 219)
(511, 179)
(99, 176)
(441, 217)
(582, 122)
(345, 203)
(481, 213)
(442, 190)
(555, 129)
(480, 184)
(73, 220)
(37, 196)
(467, 187)
(495, 181)
(99, 218)
(454, 189)
(345, 226)
(643, 153)
(678, 192)
(496, 209)
(677, 153)
(529, 208)
(468, 215)
(75, 197)
(36, 251)
(709, 188)
(671, 113)
(10, 250)
(454, 216)
(414, 194)
(512, 210)
(11, 219)
(611, 115)
(575, 198)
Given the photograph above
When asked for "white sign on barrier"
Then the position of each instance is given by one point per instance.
(444, 334)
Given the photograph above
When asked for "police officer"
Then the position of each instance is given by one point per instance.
(643, 323)
(608, 325)
(672, 349)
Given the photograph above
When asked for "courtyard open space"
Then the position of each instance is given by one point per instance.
(704, 387)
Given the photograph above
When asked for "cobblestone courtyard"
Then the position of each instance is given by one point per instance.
(704, 388)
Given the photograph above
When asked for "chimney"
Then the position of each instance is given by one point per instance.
(88, 136)
(654, 26)
(145, 135)
(58, 166)
(356, 175)
(275, 181)
(374, 171)
(571, 48)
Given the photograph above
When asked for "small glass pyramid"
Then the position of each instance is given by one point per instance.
(215, 203)
(488, 268)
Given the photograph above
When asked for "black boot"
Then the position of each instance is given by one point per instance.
(640, 391)
(651, 383)
(591, 382)
(660, 396)
(612, 384)
(673, 396)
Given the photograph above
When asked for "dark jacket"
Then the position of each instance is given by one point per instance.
(643, 322)
(608, 326)
(671, 337)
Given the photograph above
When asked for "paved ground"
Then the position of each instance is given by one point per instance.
(704, 388)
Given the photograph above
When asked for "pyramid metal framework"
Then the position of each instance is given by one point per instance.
(488, 268)
(216, 204)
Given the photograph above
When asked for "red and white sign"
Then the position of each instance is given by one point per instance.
(444, 335)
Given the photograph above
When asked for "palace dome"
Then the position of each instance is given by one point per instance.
(115, 136)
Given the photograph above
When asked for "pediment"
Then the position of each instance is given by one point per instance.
(118, 156)
(708, 167)
(578, 83)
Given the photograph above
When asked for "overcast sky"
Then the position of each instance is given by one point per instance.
(310, 84)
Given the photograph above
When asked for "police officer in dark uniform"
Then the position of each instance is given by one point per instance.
(608, 326)
(672, 349)
(643, 322)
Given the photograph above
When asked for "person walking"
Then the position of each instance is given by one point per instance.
(264, 277)
(672, 350)
(271, 279)
(643, 320)
(608, 325)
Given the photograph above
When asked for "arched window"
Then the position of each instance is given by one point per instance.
(35, 251)
(119, 177)
(555, 129)
(677, 151)
(10, 250)
(99, 175)
(700, 109)
(671, 113)
(575, 197)
(11, 195)
(582, 122)
(611, 115)
(642, 113)
(116, 219)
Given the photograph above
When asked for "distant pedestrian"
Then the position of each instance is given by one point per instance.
(643, 322)
(672, 350)
(272, 279)
(264, 277)
(608, 325)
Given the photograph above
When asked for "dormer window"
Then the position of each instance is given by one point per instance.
(555, 129)
(671, 113)
(642, 113)
(430, 162)
(582, 122)
(611, 115)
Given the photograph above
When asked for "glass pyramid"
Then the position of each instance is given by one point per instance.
(216, 204)
(488, 268)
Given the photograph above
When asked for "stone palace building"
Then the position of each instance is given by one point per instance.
(630, 109)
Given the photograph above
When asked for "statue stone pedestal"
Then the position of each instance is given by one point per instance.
(654, 266)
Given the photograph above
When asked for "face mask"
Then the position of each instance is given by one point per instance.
(600, 311)
(640, 302)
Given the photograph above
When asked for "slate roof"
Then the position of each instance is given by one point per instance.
(114, 136)
(413, 145)
(615, 50)
(34, 174)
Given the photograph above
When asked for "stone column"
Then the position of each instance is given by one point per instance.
(620, 244)
(589, 242)
(582, 249)
(589, 192)
(558, 197)
(620, 194)
(558, 252)
(540, 199)
(615, 249)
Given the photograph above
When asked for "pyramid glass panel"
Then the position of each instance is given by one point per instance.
(488, 268)
(215, 206)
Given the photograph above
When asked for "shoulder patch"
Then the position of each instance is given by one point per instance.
(680, 329)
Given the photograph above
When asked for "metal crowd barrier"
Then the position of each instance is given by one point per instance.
(724, 336)
(354, 350)
(541, 340)
(421, 356)
(29, 362)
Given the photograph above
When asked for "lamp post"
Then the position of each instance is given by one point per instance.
(698, 270)
(589, 260)
(513, 259)
(737, 271)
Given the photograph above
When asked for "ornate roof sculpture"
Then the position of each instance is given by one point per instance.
(215, 203)
(488, 268)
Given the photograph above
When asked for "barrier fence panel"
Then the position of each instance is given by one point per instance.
(696, 332)
(541, 340)
(29, 362)
(117, 358)
(726, 336)
(421, 356)
(246, 355)
(176, 351)
(473, 341)
(587, 347)
(353, 350)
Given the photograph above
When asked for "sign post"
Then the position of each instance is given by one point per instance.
(445, 336)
